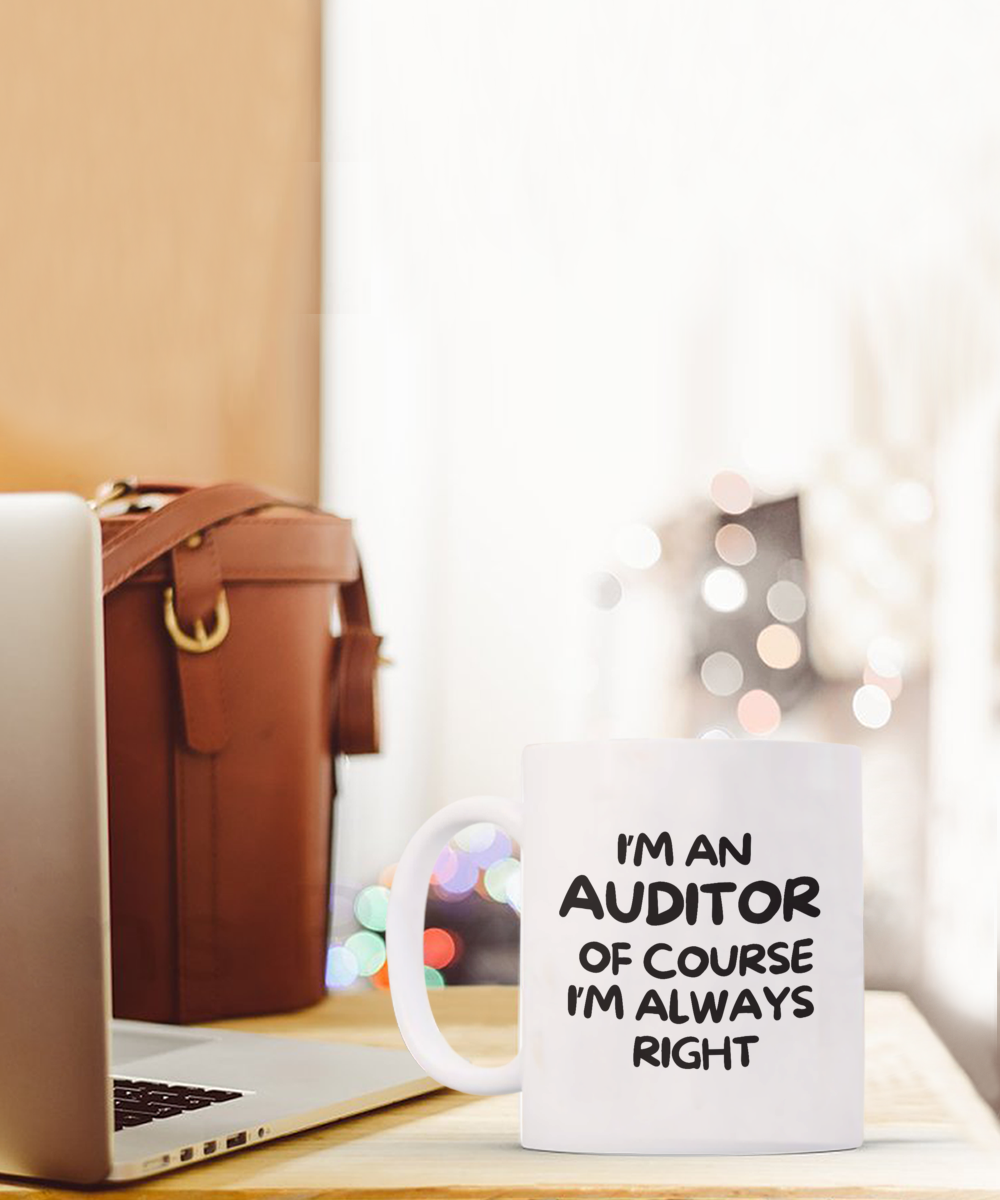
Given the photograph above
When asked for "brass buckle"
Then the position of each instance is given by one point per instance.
(202, 642)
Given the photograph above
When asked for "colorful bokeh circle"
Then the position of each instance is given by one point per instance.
(368, 950)
(371, 907)
(439, 948)
(341, 967)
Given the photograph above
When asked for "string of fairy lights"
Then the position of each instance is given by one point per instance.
(779, 644)
(724, 590)
(481, 859)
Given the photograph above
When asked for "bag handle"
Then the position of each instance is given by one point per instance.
(354, 724)
(355, 708)
(188, 513)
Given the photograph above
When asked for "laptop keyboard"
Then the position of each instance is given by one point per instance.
(139, 1101)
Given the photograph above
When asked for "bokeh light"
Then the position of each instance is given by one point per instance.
(721, 673)
(724, 589)
(462, 881)
(480, 858)
(758, 712)
(475, 837)
(368, 950)
(786, 601)
(731, 492)
(341, 967)
(779, 647)
(445, 866)
(499, 847)
(387, 875)
(885, 656)
(715, 735)
(433, 977)
(736, 545)
(604, 590)
(439, 948)
(872, 706)
(498, 876)
(892, 685)
(371, 907)
(637, 546)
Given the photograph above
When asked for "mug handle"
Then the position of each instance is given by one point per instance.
(405, 947)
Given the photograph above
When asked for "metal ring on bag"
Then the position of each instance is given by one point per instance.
(202, 641)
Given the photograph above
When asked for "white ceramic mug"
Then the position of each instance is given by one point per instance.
(691, 947)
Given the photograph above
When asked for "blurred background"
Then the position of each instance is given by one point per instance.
(654, 347)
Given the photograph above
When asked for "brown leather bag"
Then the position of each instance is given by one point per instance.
(227, 698)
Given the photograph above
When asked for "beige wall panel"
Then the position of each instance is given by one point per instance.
(159, 241)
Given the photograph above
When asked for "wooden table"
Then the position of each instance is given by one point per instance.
(928, 1135)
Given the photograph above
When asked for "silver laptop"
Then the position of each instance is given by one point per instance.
(83, 1098)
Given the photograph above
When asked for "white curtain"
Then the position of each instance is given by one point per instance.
(582, 254)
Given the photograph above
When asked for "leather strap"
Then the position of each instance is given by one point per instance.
(355, 710)
(355, 726)
(279, 545)
(188, 513)
(197, 584)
